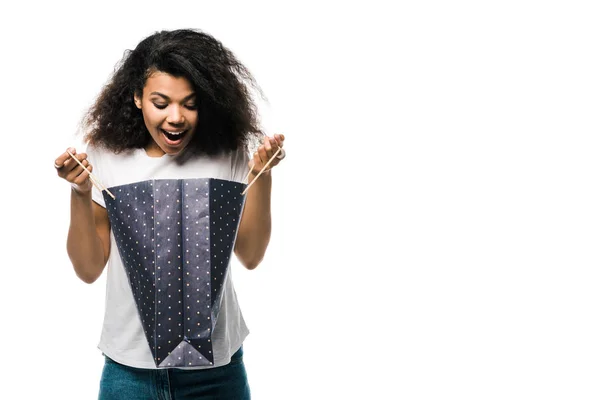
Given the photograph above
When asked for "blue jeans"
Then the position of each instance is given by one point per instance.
(229, 382)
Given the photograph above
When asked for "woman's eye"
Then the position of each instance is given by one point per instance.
(160, 106)
(191, 106)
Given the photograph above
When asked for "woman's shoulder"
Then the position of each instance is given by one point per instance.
(102, 153)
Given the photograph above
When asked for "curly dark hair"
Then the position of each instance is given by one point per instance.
(227, 114)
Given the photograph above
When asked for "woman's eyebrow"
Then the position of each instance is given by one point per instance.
(164, 96)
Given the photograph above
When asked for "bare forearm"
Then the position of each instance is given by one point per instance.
(255, 229)
(84, 246)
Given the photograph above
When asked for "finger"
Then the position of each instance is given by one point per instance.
(76, 170)
(67, 161)
(281, 154)
(270, 147)
(73, 170)
(262, 154)
(71, 164)
(266, 158)
(80, 156)
(59, 162)
(267, 145)
(276, 149)
(279, 138)
(83, 176)
(274, 145)
(275, 161)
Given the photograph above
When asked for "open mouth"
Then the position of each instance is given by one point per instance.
(173, 137)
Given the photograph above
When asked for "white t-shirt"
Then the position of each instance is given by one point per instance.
(123, 338)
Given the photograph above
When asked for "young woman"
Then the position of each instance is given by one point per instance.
(168, 138)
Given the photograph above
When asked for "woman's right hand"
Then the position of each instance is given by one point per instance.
(72, 172)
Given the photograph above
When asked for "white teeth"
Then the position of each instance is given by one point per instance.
(174, 133)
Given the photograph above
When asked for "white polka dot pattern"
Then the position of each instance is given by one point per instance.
(175, 238)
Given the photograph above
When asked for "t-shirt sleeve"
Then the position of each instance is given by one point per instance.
(239, 165)
(94, 157)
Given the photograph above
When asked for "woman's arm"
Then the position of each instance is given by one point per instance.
(254, 231)
(88, 241)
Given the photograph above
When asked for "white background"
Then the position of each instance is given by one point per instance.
(435, 224)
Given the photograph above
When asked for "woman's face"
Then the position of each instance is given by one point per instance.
(170, 112)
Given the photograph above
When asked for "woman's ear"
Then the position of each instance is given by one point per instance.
(137, 101)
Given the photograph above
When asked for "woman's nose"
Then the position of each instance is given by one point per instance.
(175, 116)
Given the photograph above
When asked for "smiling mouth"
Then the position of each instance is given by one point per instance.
(174, 137)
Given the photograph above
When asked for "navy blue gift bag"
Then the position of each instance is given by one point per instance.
(176, 237)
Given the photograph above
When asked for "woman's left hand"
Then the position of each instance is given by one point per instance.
(265, 152)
